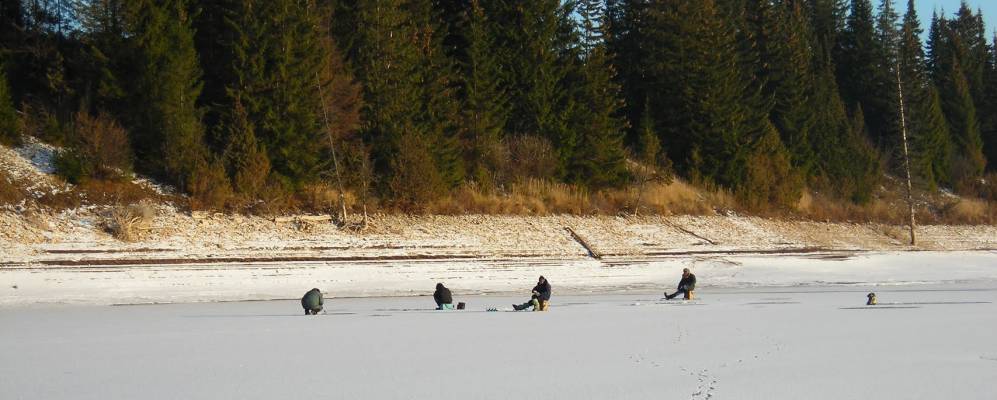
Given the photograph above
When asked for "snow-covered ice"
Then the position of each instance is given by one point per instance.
(764, 327)
(760, 343)
(275, 280)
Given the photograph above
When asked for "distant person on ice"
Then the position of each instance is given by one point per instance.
(686, 286)
(312, 302)
(444, 300)
(542, 289)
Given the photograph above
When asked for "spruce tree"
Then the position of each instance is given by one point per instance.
(625, 28)
(278, 59)
(863, 75)
(782, 38)
(960, 112)
(167, 134)
(247, 161)
(970, 45)
(704, 96)
(529, 37)
(845, 164)
(930, 144)
(390, 63)
(440, 81)
(9, 134)
(486, 107)
(828, 21)
(599, 160)
(989, 129)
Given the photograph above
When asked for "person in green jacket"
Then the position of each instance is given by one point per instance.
(312, 302)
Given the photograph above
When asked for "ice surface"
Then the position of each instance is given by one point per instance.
(267, 281)
(756, 343)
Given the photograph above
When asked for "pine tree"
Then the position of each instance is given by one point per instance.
(969, 43)
(277, 58)
(926, 126)
(649, 149)
(625, 29)
(247, 161)
(828, 22)
(887, 123)
(862, 74)
(486, 105)
(9, 134)
(699, 84)
(845, 164)
(529, 37)
(783, 63)
(599, 160)
(391, 65)
(989, 129)
(960, 112)
(440, 79)
(167, 134)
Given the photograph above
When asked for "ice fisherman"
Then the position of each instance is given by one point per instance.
(443, 297)
(312, 302)
(542, 293)
(686, 286)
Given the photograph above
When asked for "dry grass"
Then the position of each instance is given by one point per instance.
(536, 197)
(323, 197)
(11, 193)
(969, 211)
(128, 223)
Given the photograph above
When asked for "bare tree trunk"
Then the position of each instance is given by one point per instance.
(903, 132)
(332, 147)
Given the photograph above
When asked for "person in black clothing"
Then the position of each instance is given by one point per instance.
(444, 300)
(686, 286)
(542, 289)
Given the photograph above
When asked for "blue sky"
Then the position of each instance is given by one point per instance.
(925, 8)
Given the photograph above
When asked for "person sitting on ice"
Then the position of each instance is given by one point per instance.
(444, 300)
(686, 286)
(542, 289)
(534, 302)
(312, 302)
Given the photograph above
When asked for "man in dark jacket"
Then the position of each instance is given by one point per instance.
(312, 302)
(542, 289)
(444, 300)
(686, 286)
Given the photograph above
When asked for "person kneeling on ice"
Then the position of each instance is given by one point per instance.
(312, 302)
(686, 286)
(534, 302)
(444, 300)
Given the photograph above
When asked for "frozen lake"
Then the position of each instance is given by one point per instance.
(923, 342)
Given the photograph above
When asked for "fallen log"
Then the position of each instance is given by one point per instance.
(578, 238)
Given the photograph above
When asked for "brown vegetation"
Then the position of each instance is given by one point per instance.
(127, 223)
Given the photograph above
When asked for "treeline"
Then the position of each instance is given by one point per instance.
(247, 102)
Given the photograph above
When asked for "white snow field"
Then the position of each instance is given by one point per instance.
(758, 343)
(762, 328)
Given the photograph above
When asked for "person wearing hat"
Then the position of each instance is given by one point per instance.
(686, 286)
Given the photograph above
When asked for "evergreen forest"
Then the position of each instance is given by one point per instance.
(397, 103)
